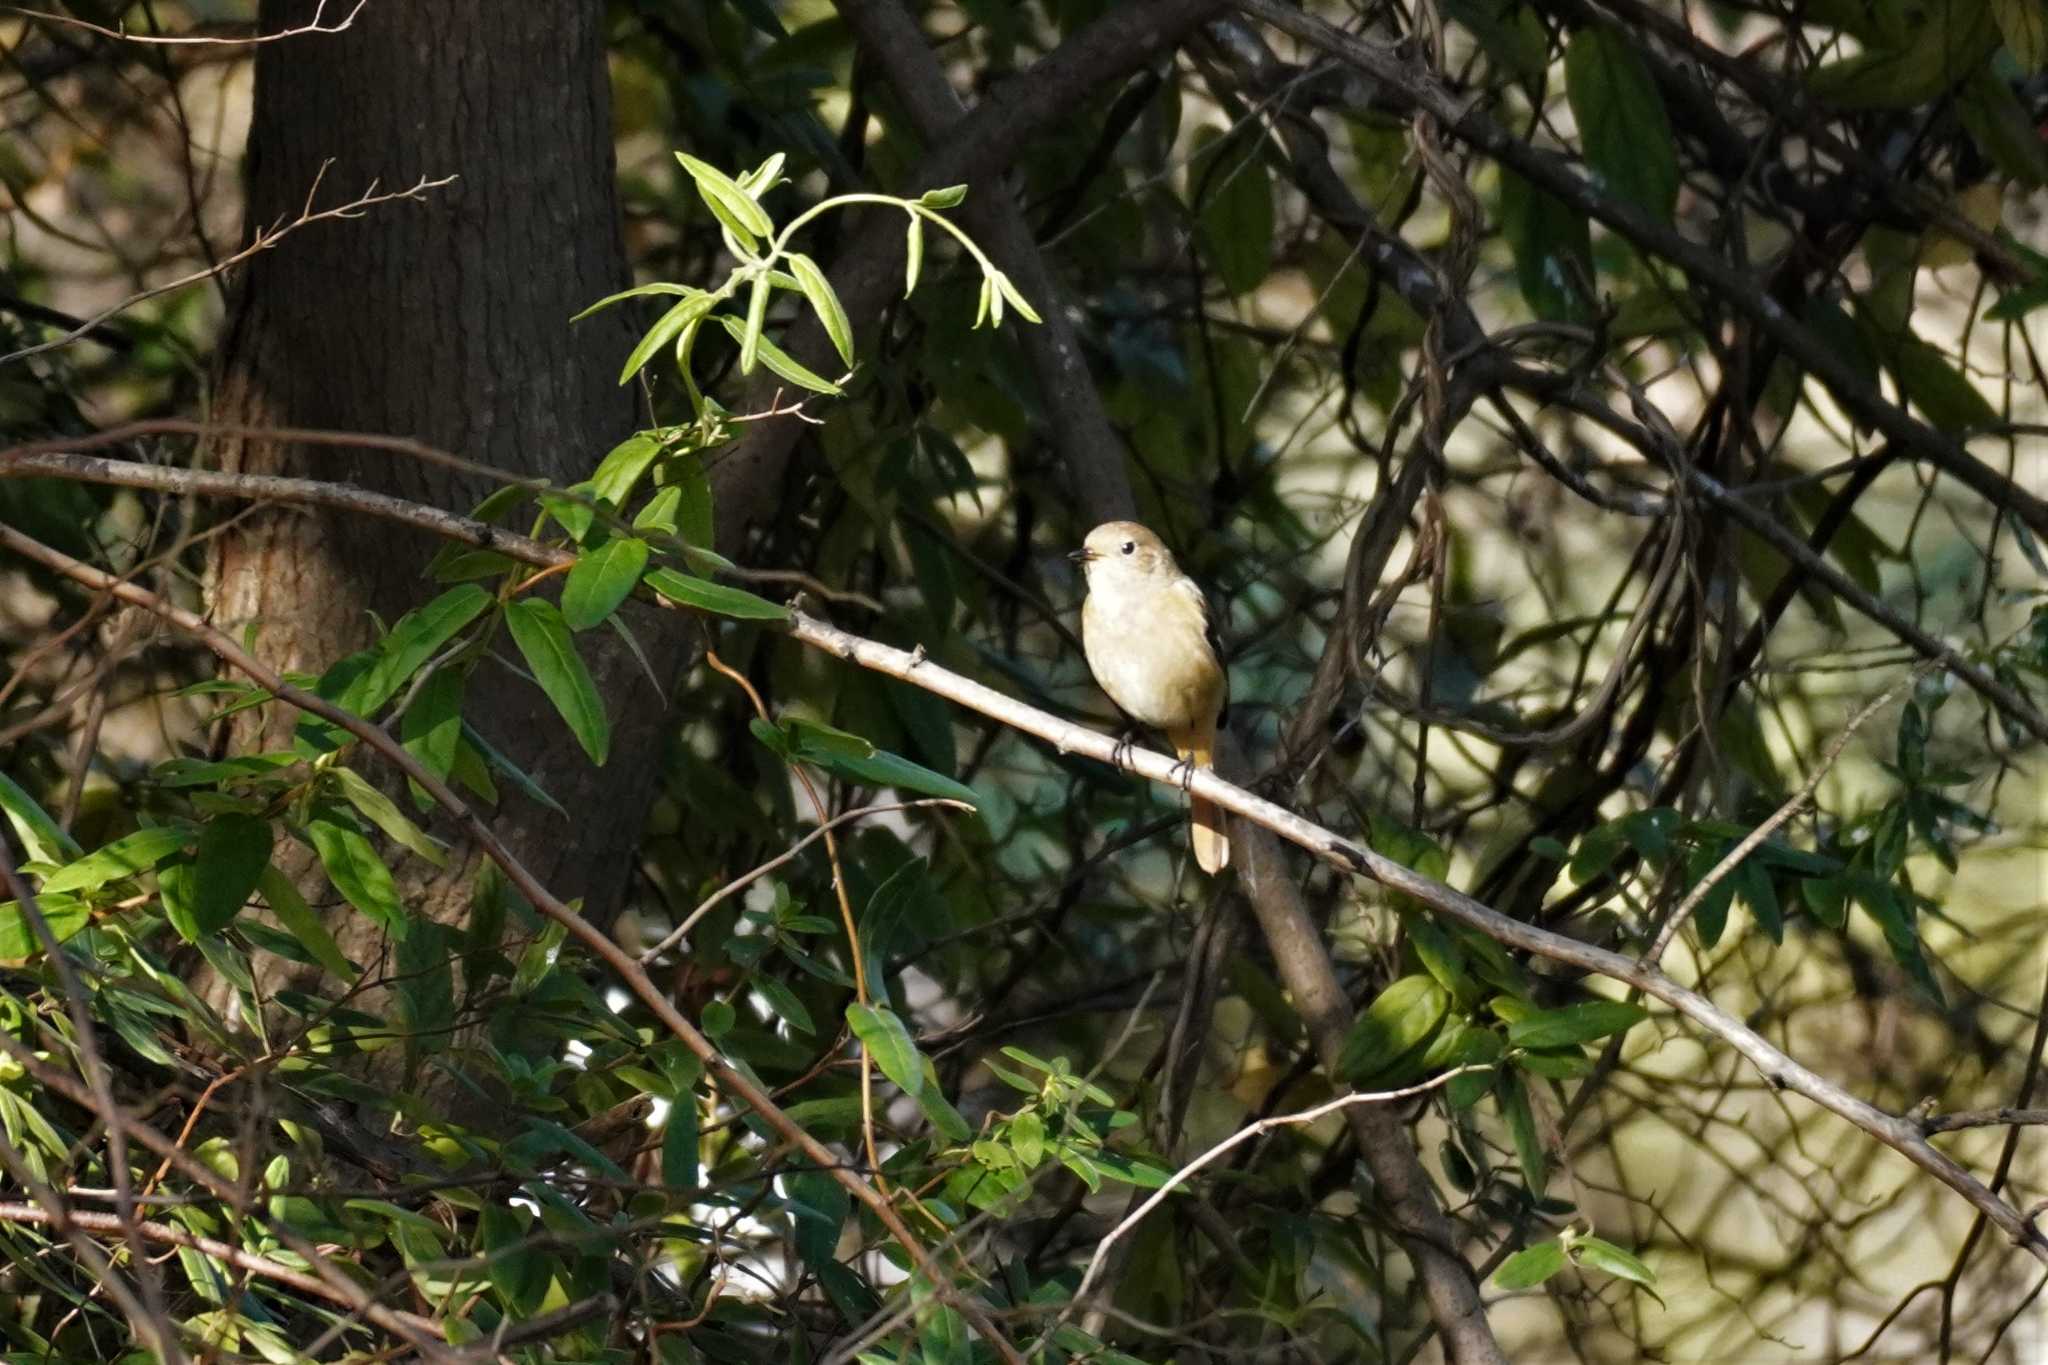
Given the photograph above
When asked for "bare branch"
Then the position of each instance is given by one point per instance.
(319, 23)
(266, 238)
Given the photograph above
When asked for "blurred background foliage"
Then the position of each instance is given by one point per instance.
(1279, 275)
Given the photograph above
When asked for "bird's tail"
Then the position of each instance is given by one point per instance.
(1205, 818)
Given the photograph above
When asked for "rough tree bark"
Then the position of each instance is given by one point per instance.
(445, 321)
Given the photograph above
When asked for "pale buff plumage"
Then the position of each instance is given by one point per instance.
(1145, 628)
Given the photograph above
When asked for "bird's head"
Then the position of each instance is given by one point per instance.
(1123, 552)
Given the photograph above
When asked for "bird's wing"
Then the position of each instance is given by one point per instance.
(1209, 634)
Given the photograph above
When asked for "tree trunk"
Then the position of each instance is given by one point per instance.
(447, 321)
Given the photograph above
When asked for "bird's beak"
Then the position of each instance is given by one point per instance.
(1083, 556)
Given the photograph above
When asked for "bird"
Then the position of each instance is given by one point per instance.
(1145, 630)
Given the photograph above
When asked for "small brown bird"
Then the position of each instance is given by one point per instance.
(1145, 627)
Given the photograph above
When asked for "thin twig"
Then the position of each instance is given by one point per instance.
(748, 878)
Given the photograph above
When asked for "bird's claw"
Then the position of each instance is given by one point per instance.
(1120, 753)
(1186, 769)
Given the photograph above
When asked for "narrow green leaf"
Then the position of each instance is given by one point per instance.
(621, 469)
(1530, 1267)
(913, 254)
(1621, 118)
(1599, 1254)
(884, 769)
(432, 726)
(825, 303)
(1553, 250)
(203, 895)
(1394, 1029)
(355, 869)
(715, 597)
(298, 919)
(783, 1003)
(19, 942)
(384, 813)
(666, 328)
(419, 635)
(888, 1042)
(602, 579)
(636, 292)
(778, 360)
(545, 643)
(679, 1144)
(125, 857)
(1580, 1023)
(950, 196)
(757, 318)
(721, 191)
(40, 836)
(1234, 213)
(1514, 1106)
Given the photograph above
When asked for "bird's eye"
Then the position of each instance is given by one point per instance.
(1130, 547)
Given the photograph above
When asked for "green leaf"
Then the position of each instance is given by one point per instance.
(40, 836)
(418, 637)
(666, 328)
(1894, 914)
(1530, 1267)
(1395, 1028)
(602, 579)
(783, 1003)
(884, 769)
(1553, 249)
(384, 813)
(432, 727)
(825, 303)
(1599, 1254)
(298, 919)
(679, 1144)
(1235, 212)
(717, 1019)
(1514, 1107)
(715, 597)
(913, 253)
(638, 291)
(1945, 397)
(621, 470)
(725, 198)
(125, 857)
(549, 650)
(944, 1339)
(19, 942)
(778, 360)
(1580, 1023)
(1621, 118)
(1475, 1047)
(694, 513)
(203, 895)
(757, 318)
(888, 1042)
(473, 743)
(945, 197)
(1710, 917)
(356, 871)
